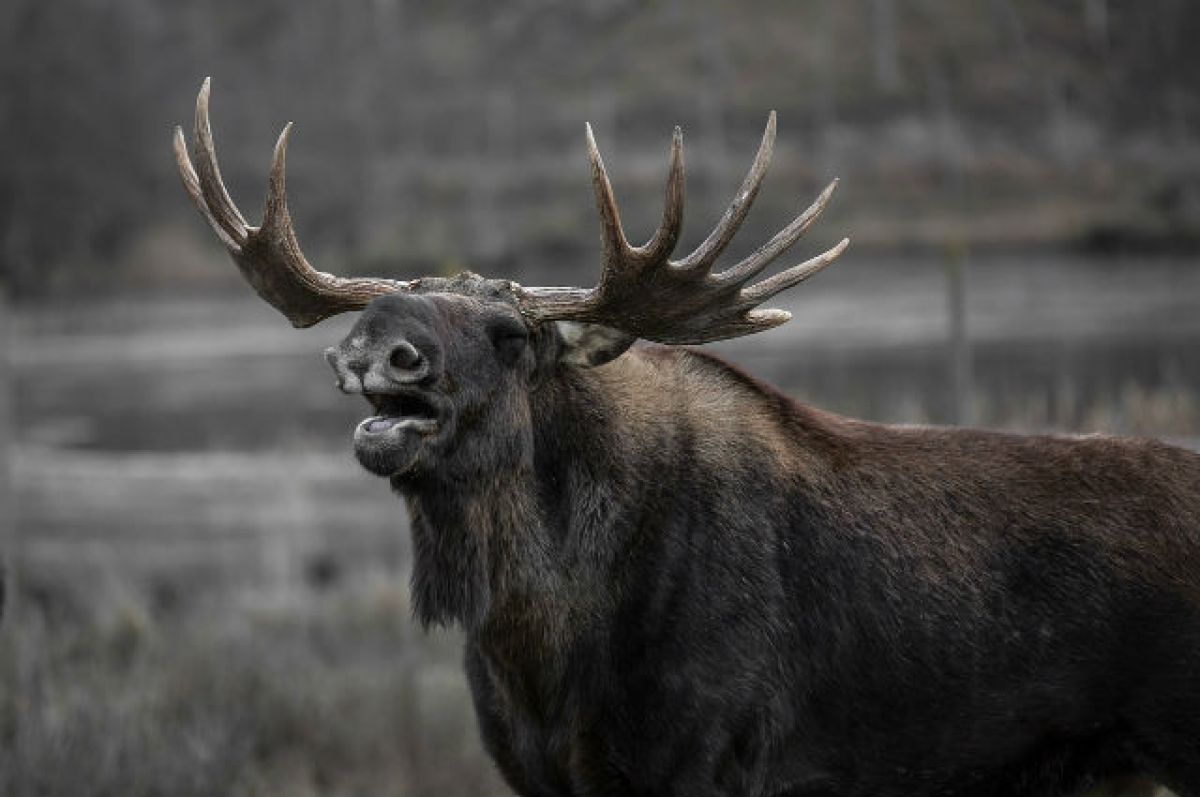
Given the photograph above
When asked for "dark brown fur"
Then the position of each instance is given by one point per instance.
(676, 580)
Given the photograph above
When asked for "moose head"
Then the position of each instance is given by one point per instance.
(446, 363)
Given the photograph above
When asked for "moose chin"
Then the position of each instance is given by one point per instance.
(673, 579)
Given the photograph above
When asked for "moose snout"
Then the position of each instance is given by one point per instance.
(372, 367)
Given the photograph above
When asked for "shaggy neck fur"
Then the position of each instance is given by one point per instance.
(552, 510)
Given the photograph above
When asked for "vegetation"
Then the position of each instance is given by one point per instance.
(334, 694)
(436, 135)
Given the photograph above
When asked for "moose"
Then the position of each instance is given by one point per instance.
(675, 580)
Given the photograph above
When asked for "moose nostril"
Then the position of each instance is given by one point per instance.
(405, 356)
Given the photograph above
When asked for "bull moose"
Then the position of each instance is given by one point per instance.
(675, 580)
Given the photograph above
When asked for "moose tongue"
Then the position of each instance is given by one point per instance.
(381, 424)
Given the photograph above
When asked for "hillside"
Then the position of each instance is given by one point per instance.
(427, 144)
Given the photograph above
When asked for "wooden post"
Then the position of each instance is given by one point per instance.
(712, 104)
(959, 344)
(12, 674)
(8, 518)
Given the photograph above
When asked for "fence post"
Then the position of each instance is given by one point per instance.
(8, 519)
(959, 344)
(13, 672)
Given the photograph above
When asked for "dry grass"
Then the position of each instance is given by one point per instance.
(333, 694)
(1169, 412)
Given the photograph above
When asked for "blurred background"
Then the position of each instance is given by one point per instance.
(208, 597)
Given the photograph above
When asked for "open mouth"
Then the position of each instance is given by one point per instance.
(400, 412)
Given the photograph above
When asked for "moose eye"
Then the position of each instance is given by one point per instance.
(509, 337)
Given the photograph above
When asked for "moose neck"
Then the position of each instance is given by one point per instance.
(508, 542)
(477, 545)
(536, 545)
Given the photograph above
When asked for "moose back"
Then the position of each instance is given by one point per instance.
(673, 579)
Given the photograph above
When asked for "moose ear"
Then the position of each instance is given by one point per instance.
(589, 345)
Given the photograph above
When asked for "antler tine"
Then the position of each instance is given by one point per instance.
(275, 213)
(616, 247)
(191, 184)
(762, 257)
(269, 257)
(761, 291)
(707, 252)
(277, 234)
(755, 320)
(660, 246)
(218, 199)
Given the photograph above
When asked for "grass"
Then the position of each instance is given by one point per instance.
(326, 694)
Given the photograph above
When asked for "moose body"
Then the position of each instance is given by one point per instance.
(697, 586)
(675, 580)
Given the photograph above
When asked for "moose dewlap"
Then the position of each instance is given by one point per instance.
(675, 580)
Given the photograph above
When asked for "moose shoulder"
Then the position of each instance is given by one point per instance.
(675, 580)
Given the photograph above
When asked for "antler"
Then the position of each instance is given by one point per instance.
(645, 293)
(641, 291)
(268, 256)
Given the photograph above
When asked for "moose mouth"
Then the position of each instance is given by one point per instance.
(398, 413)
